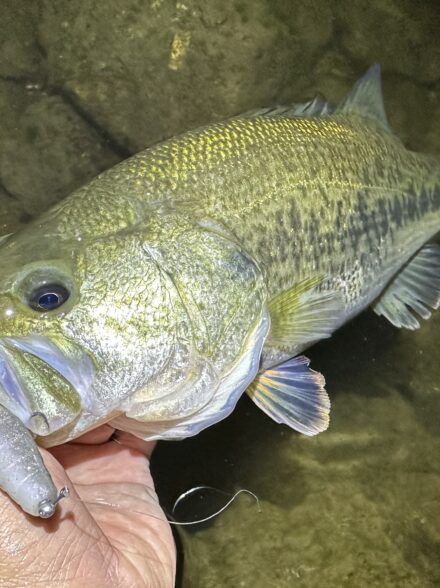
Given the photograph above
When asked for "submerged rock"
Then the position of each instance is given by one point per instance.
(47, 149)
(82, 85)
(400, 34)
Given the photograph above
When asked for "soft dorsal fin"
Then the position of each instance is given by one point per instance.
(414, 291)
(366, 98)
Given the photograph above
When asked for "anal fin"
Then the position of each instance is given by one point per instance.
(293, 394)
(414, 291)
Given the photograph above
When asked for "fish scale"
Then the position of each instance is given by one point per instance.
(302, 195)
(155, 295)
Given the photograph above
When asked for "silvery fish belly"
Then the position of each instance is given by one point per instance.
(157, 294)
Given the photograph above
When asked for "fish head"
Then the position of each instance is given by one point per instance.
(216, 311)
(41, 372)
(143, 322)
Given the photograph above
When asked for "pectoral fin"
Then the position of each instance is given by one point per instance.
(303, 314)
(414, 291)
(293, 394)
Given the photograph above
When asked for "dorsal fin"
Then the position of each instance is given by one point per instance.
(313, 108)
(366, 98)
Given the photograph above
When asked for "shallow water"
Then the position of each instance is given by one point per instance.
(82, 85)
(355, 506)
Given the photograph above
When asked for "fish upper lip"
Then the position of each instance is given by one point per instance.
(77, 371)
(11, 385)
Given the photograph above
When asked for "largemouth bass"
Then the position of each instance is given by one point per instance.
(155, 295)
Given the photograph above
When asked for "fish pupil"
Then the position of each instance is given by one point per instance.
(48, 297)
(48, 300)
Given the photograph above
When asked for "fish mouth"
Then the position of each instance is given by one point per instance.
(44, 384)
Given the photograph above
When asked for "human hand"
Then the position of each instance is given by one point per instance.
(109, 532)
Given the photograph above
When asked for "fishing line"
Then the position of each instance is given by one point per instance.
(121, 544)
(191, 491)
(183, 496)
(195, 489)
(115, 503)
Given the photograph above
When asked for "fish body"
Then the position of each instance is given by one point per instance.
(337, 196)
(155, 295)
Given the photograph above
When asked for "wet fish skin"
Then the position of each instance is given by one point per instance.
(337, 195)
(177, 260)
(163, 307)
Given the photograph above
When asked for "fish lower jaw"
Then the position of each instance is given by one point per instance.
(84, 423)
(42, 385)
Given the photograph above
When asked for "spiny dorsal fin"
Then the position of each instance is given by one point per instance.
(366, 98)
(415, 290)
(316, 107)
(293, 394)
(303, 314)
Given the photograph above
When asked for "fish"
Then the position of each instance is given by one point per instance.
(154, 296)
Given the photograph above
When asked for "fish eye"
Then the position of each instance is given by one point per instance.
(48, 297)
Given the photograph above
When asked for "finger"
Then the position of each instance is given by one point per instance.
(37, 548)
(97, 436)
(103, 464)
(129, 440)
(116, 485)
